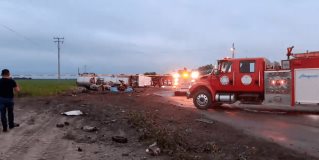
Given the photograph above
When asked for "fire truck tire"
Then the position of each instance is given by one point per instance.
(202, 99)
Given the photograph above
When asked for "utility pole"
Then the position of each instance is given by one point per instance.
(233, 50)
(58, 40)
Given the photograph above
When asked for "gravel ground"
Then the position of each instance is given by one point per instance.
(137, 120)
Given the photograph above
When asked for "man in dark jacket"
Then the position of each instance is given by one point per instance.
(7, 85)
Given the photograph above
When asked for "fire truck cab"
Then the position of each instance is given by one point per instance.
(257, 81)
(233, 79)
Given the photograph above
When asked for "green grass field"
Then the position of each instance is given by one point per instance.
(44, 87)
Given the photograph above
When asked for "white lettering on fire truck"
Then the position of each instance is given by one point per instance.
(246, 80)
(224, 80)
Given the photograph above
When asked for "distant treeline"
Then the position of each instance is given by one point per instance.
(150, 73)
(207, 69)
(21, 78)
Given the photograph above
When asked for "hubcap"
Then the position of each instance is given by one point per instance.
(202, 100)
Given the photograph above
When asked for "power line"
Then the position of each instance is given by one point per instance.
(58, 40)
(18, 34)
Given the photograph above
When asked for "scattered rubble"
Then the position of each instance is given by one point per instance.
(89, 129)
(119, 139)
(153, 149)
(73, 113)
(129, 90)
(205, 121)
(186, 135)
(125, 154)
(114, 90)
(59, 125)
(118, 90)
(79, 90)
(80, 149)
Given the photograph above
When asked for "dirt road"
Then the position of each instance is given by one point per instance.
(142, 117)
(38, 138)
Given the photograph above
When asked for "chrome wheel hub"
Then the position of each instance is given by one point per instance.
(202, 100)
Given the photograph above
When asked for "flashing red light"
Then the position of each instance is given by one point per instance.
(278, 82)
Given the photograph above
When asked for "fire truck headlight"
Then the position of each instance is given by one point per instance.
(185, 75)
(195, 75)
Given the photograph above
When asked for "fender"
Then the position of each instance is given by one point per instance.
(203, 82)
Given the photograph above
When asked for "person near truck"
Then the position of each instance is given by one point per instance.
(7, 88)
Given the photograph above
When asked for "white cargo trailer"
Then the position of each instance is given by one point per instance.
(144, 81)
(307, 85)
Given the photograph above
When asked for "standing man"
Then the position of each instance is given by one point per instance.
(7, 85)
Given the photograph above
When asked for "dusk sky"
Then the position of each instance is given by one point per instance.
(136, 36)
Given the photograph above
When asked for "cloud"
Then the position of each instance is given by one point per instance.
(138, 36)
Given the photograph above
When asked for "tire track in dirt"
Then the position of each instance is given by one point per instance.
(60, 148)
(29, 138)
(15, 135)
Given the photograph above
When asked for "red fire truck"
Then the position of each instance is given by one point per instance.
(182, 80)
(256, 81)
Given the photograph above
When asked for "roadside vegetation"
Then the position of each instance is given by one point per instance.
(35, 88)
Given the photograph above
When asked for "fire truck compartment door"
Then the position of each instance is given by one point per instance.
(307, 85)
(248, 76)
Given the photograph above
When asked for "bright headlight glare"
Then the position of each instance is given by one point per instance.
(195, 75)
(175, 75)
(185, 75)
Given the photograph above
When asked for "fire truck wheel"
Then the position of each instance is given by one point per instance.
(202, 99)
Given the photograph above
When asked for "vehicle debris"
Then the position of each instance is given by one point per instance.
(205, 121)
(66, 123)
(114, 90)
(59, 125)
(153, 149)
(93, 81)
(119, 139)
(129, 90)
(80, 149)
(79, 90)
(89, 129)
(73, 113)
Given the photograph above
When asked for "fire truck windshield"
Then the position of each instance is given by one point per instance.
(225, 67)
